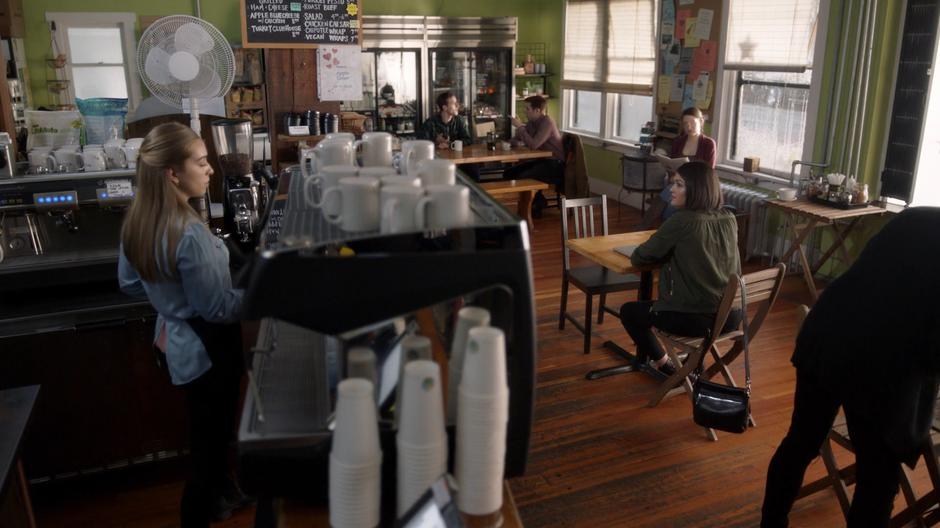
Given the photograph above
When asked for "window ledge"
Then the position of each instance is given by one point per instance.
(755, 178)
(607, 144)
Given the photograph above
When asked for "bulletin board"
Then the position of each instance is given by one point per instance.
(687, 64)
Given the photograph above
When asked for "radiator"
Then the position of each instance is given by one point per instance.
(751, 201)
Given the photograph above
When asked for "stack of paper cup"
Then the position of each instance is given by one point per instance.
(360, 363)
(482, 415)
(412, 348)
(467, 318)
(421, 439)
(355, 458)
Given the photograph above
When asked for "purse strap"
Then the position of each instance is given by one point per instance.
(747, 359)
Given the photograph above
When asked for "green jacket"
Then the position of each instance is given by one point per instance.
(456, 129)
(699, 251)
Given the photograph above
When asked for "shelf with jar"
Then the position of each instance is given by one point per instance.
(528, 84)
(247, 102)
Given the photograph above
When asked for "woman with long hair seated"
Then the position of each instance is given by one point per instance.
(697, 247)
(169, 256)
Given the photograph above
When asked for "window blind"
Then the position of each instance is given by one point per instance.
(771, 34)
(584, 41)
(631, 47)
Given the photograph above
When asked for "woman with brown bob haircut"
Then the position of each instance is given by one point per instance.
(698, 250)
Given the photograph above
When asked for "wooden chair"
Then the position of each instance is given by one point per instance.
(920, 511)
(761, 288)
(592, 280)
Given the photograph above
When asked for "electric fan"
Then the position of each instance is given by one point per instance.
(181, 57)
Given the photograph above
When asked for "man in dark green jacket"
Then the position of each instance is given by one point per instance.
(446, 126)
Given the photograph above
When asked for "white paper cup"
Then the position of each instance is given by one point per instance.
(481, 449)
(355, 493)
(484, 367)
(437, 172)
(356, 435)
(422, 406)
(412, 348)
(360, 363)
(468, 317)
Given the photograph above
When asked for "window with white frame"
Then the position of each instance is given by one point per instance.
(100, 50)
(768, 67)
(609, 67)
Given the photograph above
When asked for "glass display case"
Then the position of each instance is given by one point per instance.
(480, 78)
(391, 82)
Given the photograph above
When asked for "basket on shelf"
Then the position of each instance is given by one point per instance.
(352, 122)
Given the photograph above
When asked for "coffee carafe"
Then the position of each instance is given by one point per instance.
(243, 195)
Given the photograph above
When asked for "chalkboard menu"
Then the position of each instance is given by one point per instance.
(300, 23)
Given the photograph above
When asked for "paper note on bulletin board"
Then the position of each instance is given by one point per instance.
(681, 16)
(703, 24)
(691, 41)
(339, 73)
(705, 57)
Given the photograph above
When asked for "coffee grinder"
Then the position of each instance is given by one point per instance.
(244, 195)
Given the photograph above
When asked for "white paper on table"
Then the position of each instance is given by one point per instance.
(339, 73)
(703, 24)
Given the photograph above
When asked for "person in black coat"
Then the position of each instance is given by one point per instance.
(871, 344)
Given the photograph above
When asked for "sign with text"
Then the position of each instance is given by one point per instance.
(300, 23)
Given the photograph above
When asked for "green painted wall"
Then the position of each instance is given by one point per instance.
(539, 21)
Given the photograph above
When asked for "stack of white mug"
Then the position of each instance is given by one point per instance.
(421, 194)
(355, 457)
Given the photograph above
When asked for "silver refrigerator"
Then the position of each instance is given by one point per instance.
(481, 78)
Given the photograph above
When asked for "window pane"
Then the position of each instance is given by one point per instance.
(96, 46)
(771, 32)
(99, 81)
(634, 112)
(587, 111)
(771, 124)
(584, 34)
(631, 50)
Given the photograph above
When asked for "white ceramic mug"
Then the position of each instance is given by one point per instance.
(112, 149)
(445, 206)
(399, 205)
(437, 172)
(376, 149)
(377, 172)
(456, 145)
(94, 160)
(71, 159)
(326, 179)
(41, 159)
(131, 151)
(346, 136)
(325, 153)
(409, 181)
(359, 204)
(413, 153)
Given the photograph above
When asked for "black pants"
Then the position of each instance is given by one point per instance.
(212, 402)
(877, 470)
(638, 318)
(549, 170)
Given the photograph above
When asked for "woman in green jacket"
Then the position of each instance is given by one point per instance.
(697, 247)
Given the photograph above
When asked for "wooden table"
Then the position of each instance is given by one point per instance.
(600, 249)
(804, 216)
(480, 154)
(526, 190)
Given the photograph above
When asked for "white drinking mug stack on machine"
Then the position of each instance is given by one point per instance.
(376, 149)
(337, 151)
(326, 179)
(359, 204)
(413, 153)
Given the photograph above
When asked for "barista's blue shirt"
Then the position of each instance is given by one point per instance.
(204, 289)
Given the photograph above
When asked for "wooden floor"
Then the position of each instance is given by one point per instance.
(599, 457)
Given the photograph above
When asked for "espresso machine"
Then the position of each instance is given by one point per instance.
(244, 186)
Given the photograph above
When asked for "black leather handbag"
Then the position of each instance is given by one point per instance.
(724, 407)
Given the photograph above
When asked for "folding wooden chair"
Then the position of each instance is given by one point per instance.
(761, 288)
(592, 280)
